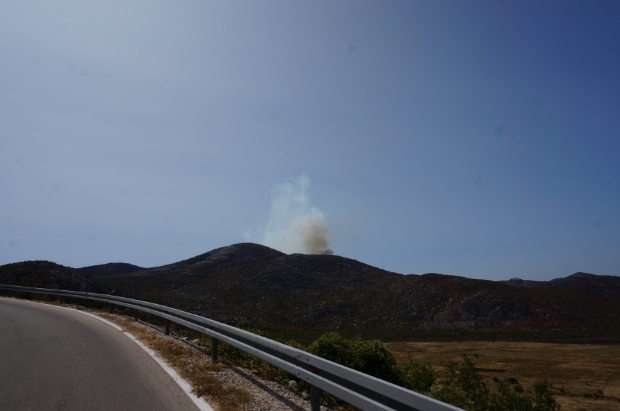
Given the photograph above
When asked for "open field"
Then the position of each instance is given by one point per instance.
(578, 369)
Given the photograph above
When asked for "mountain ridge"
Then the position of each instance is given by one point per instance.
(329, 292)
(298, 294)
(227, 251)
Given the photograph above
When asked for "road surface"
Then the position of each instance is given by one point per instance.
(57, 359)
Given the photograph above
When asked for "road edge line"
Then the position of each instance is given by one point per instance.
(184, 385)
(200, 403)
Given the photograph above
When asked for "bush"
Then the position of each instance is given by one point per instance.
(465, 388)
(368, 356)
(459, 384)
(417, 377)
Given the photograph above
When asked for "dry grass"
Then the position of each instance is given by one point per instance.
(576, 368)
(192, 365)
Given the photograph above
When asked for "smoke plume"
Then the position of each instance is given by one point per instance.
(294, 225)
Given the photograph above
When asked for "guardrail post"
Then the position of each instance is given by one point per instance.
(135, 315)
(315, 398)
(213, 349)
(167, 327)
(110, 308)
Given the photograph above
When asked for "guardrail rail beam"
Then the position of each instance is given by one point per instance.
(360, 390)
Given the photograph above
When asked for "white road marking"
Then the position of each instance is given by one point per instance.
(200, 403)
(187, 389)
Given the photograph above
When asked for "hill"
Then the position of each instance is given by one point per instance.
(111, 269)
(585, 280)
(45, 274)
(294, 295)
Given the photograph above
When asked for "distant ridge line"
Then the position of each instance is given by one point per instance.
(570, 281)
(111, 269)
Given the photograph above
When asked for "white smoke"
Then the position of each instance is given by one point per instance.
(294, 225)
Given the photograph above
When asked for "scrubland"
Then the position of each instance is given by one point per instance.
(583, 376)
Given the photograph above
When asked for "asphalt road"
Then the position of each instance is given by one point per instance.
(57, 359)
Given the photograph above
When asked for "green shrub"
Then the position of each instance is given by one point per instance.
(460, 383)
(543, 397)
(463, 387)
(509, 399)
(371, 357)
(417, 377)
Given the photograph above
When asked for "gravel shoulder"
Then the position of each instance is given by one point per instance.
(265, 395)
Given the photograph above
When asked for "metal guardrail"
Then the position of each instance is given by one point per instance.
(360, 390)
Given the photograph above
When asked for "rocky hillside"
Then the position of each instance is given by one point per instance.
(45, 274)
(291, 293)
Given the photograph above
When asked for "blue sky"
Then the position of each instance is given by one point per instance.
(478, 139)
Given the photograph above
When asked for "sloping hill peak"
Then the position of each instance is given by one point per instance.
(242, 250)
(585, 275)
(111, 269)
(234, 251)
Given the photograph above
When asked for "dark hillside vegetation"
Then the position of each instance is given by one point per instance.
(45, 274)
(111, 269)
(303, 296)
